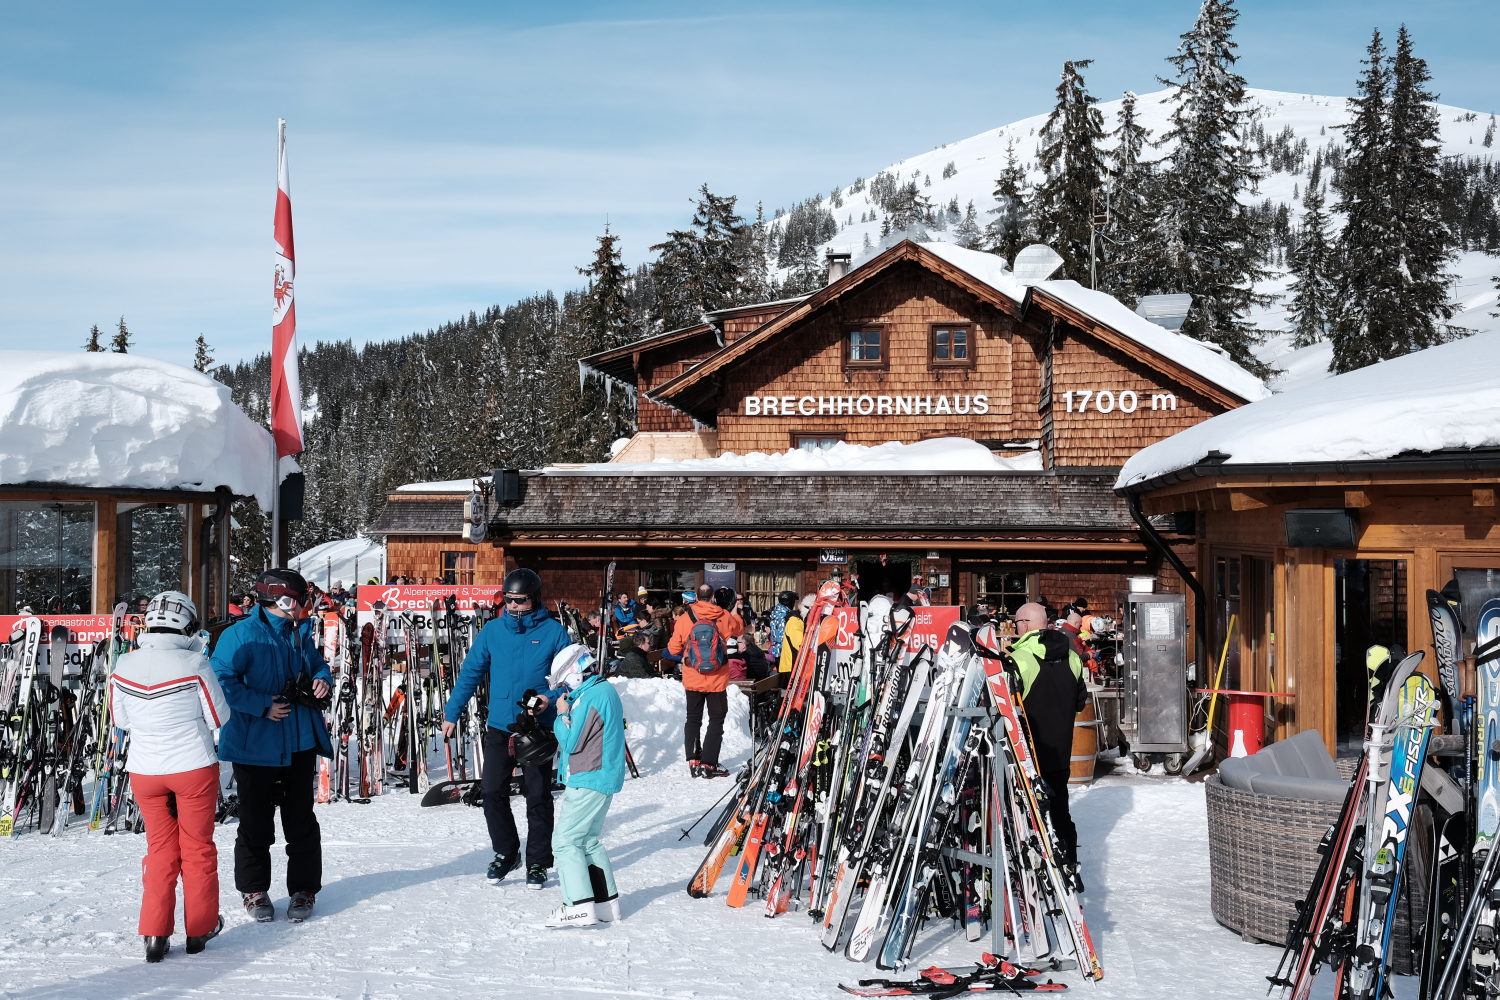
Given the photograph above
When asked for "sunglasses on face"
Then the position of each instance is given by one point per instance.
(517, 600)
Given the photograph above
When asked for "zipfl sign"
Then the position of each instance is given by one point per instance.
(1108, 401)
(881, 406)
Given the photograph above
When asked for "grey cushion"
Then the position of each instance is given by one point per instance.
(1298, 767)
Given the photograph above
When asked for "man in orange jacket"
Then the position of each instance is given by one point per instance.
(705, 676)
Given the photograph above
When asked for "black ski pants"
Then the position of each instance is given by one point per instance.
(707, 750)
(1062, 819)
(537, 784)
(262, 791)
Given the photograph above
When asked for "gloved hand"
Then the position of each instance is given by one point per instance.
(300, 692)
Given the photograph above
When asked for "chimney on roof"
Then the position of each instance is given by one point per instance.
(838, 264)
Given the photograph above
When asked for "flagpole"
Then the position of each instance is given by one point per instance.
(275, 509)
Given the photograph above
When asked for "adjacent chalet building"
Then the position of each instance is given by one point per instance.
(1019, 401)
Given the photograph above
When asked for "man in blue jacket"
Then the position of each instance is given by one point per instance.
(274, 741)
(591, 741)
(515, 652)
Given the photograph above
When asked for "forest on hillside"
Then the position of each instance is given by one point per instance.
(1381, 216)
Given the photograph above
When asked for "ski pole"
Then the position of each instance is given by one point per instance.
(708, 810)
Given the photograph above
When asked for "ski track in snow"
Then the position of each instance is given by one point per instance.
(406, 912)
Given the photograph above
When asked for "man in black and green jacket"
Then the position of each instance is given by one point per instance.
(1052, 693)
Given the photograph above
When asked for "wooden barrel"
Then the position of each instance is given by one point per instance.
(1085, 745)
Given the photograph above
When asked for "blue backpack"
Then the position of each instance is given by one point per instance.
(705, 651)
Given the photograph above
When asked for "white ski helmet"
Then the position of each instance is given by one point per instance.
(172, 609)
(570, 666)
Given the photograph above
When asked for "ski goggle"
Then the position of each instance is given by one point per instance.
(283, 596)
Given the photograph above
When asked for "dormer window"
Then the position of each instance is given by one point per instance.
(951, 344)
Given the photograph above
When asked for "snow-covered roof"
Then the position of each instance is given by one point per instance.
(465, 486)
(1432, 400)
(337, 561)
(935, 455)
(110, 420)
(1192, 354)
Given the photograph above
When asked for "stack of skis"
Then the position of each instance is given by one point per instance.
(58, 733)
(899, 787)
(1413, 783)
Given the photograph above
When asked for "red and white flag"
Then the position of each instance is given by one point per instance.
(286, 387)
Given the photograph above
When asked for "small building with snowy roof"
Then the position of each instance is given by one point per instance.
(1327, 513)
(926, 414)
(116, 476)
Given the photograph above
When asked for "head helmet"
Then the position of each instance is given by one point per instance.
(570, 666)
(523, 581)
(172, 611)
(787, 599)
(807, 603)
(688, 597)
(282, 588)
(724, 598)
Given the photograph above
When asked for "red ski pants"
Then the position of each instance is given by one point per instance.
(182, 845)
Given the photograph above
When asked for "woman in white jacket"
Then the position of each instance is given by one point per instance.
(165, 692)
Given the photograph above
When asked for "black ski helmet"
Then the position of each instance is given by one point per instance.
(523, 581)
(536, 746)
(786, 599)
(724, 598)
(275, 585)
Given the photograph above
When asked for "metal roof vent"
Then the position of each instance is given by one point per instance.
(1166, 311)
(1036, 263)
(838, 264)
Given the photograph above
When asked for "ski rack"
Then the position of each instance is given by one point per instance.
(999, 882)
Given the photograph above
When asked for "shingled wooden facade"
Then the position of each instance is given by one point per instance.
(908, 347)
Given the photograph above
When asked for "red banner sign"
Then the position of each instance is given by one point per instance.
(419, 597)
(930, 626)
(848, 636)
(83, 632)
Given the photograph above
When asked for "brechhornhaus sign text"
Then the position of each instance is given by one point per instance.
(1075, 401)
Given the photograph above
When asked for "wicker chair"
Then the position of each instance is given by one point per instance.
(1263, 853)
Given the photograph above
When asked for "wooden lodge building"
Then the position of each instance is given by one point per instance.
(1052, 386)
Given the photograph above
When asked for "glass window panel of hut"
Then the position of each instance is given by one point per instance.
(811, 442)
(1005, 588)
(458, 567)
(665, 584)
(46, 557)
(148, 549)
(950, 343)
(762, 586)
(864, 345)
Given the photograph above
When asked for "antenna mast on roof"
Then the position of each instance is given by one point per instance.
(1098, 221)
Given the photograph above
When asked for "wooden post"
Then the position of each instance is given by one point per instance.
(104, 556)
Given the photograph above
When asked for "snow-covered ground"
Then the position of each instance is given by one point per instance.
(349, 561)
(406, 912)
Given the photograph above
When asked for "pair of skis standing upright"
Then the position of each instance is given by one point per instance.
(1347, 919)
(862, 790)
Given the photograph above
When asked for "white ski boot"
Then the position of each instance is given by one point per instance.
(580, 915)
(609, 909)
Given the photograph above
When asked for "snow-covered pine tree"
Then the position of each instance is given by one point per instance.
(1011, 229)
(757, 283)
(120, 343)
(1208, 240)
(604, 312)
(969, 235)
(1073, 172)
(699, 269)
(202, 360)
(92, 345)
(1312, 265)
(1132, 184)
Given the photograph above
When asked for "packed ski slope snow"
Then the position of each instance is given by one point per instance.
(347, 560)
(406, 912)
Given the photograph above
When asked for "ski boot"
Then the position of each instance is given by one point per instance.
(501, 867)
(301, 906)
(157, 947)
(609, 910)
(259, 906)
(196, 943)
(577, 915)
(536, 876)
(694, 769)
(711, 771)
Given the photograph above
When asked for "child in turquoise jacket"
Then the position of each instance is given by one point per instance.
(590, 730)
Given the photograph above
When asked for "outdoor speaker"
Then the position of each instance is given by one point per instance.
(1185, 522)
(1321, 529)
(507, 485)
(293, 486)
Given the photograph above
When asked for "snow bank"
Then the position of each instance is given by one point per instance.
(655, 709)
(464, 486)
(1192, 354)
(1443, 397)
(110, 420)
(345, 554)
(934, 455)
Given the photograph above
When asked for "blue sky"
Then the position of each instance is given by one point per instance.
(449, 157)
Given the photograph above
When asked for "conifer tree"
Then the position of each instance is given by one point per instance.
(968, 232)
(1073, 172)
(1132, 183)
(1208, 242)
(120, 343)
(202, 360)
(1011, 229)
(699, 270)
(605, 311)
(1312, 265)
(92, 345)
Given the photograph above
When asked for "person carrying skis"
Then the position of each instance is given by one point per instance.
(277, 684)
(165, 693)
(701, 638)
(590, 730)
(515, 651)
(1052, 693)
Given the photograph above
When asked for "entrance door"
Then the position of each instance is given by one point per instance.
(890, 573)
(1369, 609)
